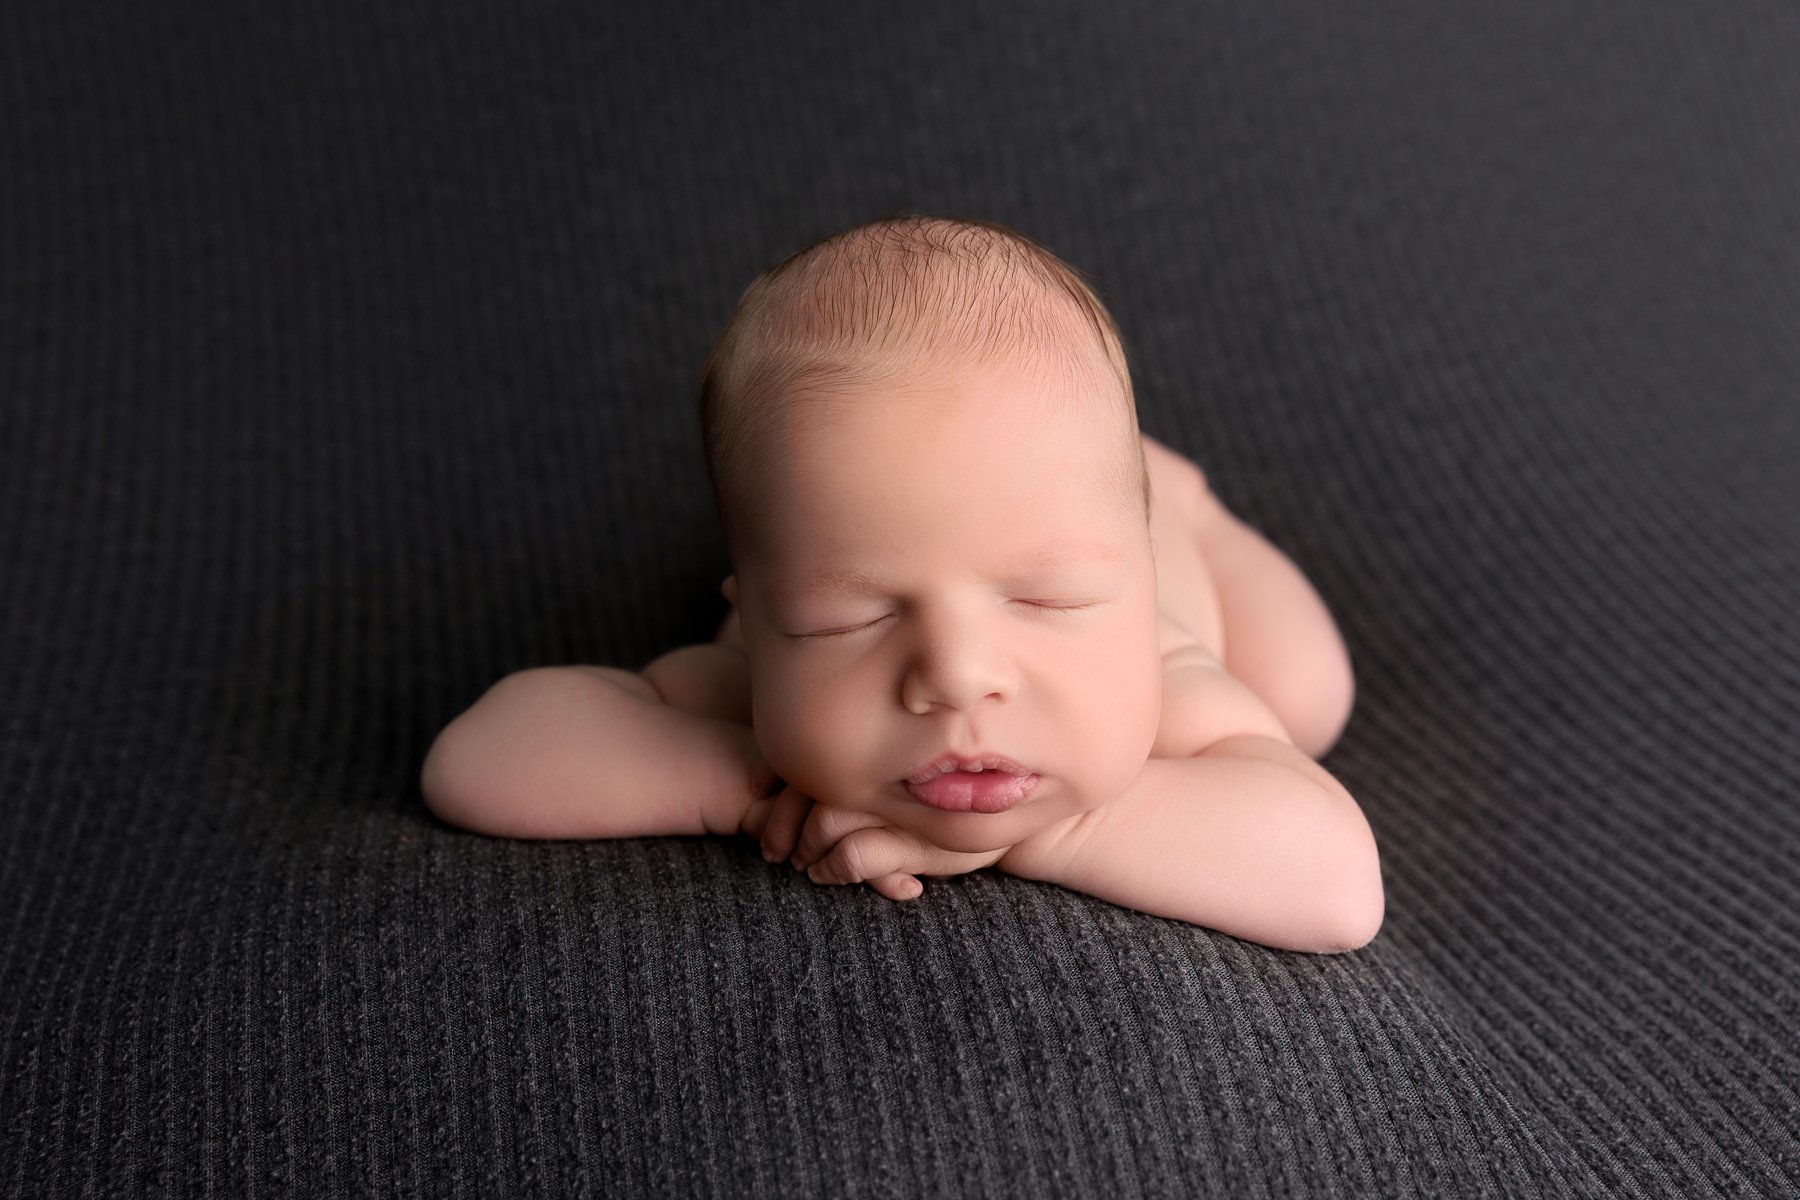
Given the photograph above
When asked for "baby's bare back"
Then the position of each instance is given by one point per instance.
(1181, 507)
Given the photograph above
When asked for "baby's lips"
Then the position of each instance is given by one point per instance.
(988, 792)
(952, 761)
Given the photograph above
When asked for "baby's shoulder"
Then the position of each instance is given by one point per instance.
(1180, 645)
(1204, 704)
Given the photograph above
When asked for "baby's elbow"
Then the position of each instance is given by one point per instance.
(1355, 902)
(1355, 910)
(466, 764)
(1357, 923)
(446, 782)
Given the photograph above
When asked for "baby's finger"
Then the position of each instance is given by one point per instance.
(756, 816)
(825, 827)
(864, 854)
(899, 886)
(781, 828)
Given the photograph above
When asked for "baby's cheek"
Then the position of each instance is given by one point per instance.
(806, 736)
(779, 717)
(1124, 725)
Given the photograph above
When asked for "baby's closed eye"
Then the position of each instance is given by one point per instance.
(1061, 606)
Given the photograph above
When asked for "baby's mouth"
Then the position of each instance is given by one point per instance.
(972, 764)
(984, 784)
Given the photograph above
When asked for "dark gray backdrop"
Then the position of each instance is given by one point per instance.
(346, 359)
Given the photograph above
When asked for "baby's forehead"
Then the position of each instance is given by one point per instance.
(1011, 385)
(824, 576)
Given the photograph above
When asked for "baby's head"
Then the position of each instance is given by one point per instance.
(923, 448)
(905, 298)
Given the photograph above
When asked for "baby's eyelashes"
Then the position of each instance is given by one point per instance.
(1043, 605)
(837, 632)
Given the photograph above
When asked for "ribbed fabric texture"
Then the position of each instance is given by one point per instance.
(346, 364)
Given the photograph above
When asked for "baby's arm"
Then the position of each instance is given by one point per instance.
(1248, 836)
(597, 752)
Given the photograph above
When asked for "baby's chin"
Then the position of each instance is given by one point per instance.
(974, 832)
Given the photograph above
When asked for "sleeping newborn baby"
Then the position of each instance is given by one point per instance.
(977, 620)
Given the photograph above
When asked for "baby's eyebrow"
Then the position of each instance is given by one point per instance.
(856, 581)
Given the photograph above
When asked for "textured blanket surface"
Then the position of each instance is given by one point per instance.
(346, 365)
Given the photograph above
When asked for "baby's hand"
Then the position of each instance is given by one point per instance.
(776, 820)
(841, 845)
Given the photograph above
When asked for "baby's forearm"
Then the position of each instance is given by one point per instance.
(588, 752)
(1250, 837)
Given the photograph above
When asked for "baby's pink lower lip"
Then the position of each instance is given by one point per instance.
(974, 791)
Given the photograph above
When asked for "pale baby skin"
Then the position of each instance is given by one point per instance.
(953, 572)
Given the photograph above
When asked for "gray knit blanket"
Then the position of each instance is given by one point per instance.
(347, 356)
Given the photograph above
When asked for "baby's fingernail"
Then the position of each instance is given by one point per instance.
(768, 855)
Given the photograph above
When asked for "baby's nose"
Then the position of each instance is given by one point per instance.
(959, 673)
